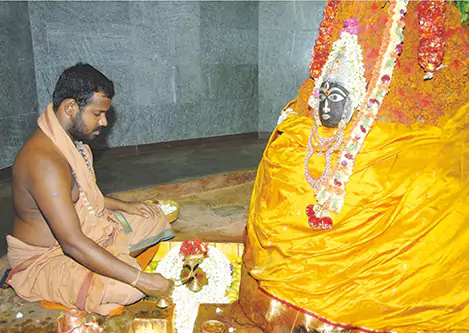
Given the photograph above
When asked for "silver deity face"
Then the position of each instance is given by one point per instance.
(334, 104)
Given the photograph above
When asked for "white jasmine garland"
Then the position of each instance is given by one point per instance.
(284, 114)
(365, 117)
(217, 269)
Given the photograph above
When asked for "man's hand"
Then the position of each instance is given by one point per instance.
(155, 285)
(142, 209)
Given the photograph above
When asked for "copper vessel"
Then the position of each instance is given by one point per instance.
(75, 321)
(213, 326)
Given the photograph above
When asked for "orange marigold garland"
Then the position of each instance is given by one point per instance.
(323, 43)
(432, 16)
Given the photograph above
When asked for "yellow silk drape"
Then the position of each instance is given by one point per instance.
(397, 257)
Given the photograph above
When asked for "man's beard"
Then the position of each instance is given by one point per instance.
(78, 130)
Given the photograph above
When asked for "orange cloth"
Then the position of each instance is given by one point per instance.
(147, 256)
(143, 260)
(60, 307)
(411, 99)
(54, 277)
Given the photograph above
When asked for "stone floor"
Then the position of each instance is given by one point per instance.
(211, 182)
(213, 208)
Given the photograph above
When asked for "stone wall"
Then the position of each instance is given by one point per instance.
(18, 97)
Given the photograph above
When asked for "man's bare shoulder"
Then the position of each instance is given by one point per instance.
(42, 186)
(39, 155)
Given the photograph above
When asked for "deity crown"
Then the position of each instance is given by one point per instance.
(344, 66)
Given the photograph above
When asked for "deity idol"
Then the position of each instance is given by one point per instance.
(359, 213)
(338, 92)
(343, 85)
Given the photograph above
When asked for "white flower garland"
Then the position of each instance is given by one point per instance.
(331, 195)
(284, 114)
(217, 269)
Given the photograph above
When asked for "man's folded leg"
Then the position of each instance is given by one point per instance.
(144, 235)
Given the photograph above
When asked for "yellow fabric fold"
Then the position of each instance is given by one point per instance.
(397, 255)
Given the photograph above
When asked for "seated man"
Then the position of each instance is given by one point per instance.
(70, 244)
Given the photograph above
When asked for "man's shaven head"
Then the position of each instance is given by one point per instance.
(81, 82)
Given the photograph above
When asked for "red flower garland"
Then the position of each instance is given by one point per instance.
(322, 47)
(431, 34)
(193, 247)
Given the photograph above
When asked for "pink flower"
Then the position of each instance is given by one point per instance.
(316, 93)
(399, 48)
(351, 26)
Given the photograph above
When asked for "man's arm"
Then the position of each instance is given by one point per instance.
(113, 203)
(135, 208)
(51, 185)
